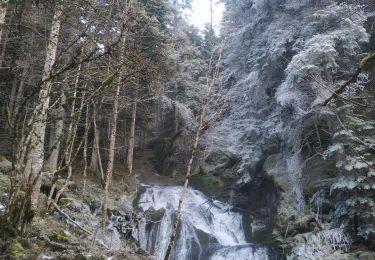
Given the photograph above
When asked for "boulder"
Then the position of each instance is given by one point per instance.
(5, 165)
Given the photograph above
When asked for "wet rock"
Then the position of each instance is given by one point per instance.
(216, 175)
(5, 165)
(275, 167)
(4, 183)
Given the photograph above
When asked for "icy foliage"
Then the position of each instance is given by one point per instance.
(318, 199)
(310, 74)
(352, 148)
(283, 59)
(183, 112)
(322, 244)
(279, 63)
(294, 167)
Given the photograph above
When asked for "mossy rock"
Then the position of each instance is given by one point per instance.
(4, 183)
(155, 215)
(368, 62)
(5, 165)
(208, 183)
(15, 250)
(60, 235)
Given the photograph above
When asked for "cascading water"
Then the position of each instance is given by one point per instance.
(208, 229)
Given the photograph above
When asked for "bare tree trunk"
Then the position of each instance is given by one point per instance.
(132, 137)
(19, 96)
(111, 152)
(85, 143)
(56, 136)
(12, 97)
(202, 123)
(125, 139)
(187, 179)
(72, 133)
(35, 157)
(3, 13)
(95, 147)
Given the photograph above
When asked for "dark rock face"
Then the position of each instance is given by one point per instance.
(257, 200)
(216, 175)
(260, 202)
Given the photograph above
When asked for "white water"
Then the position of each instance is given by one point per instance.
(208, 229)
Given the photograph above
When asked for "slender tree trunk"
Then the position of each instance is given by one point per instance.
(201, 125)
(72, 133)
(125, 140)
(85, 143)
(12, 97)
(111, 152)
(19, 96)
(186, 184)
(35, 157)
(132, 137)
(56, 136)
(95, 148)
(3, 13)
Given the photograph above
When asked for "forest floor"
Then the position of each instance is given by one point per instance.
(71, 230)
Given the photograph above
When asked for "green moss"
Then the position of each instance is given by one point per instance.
(286, 251)
(156, 215)
(272, 241)
(4, 183)
(60, 235)
(133, 241)
(16, 251)
(208, 183)
(368, 62)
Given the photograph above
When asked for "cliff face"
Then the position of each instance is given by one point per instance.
(301, 168)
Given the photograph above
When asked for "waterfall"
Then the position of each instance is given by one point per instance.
(208, 228)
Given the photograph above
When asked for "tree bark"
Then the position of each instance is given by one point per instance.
(19, 96)
(132, 137)
(85, 143)
(125, 142)
(201, 125)
(56, 136)
(3, 13)
(111, 152)
(95, 149)
(71, 135)
(35, 157)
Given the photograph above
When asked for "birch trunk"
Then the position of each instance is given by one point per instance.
(95, 157)
(111, 152)
(35, 157)
(125, 140)
(85, 143)
(132, 138)
(12, 98)
(95, 146)
(201, 125)
(56, 135)
(19, 96)
(71, 135)
(3, 13)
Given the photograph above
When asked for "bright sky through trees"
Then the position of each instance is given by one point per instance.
(200, 14)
